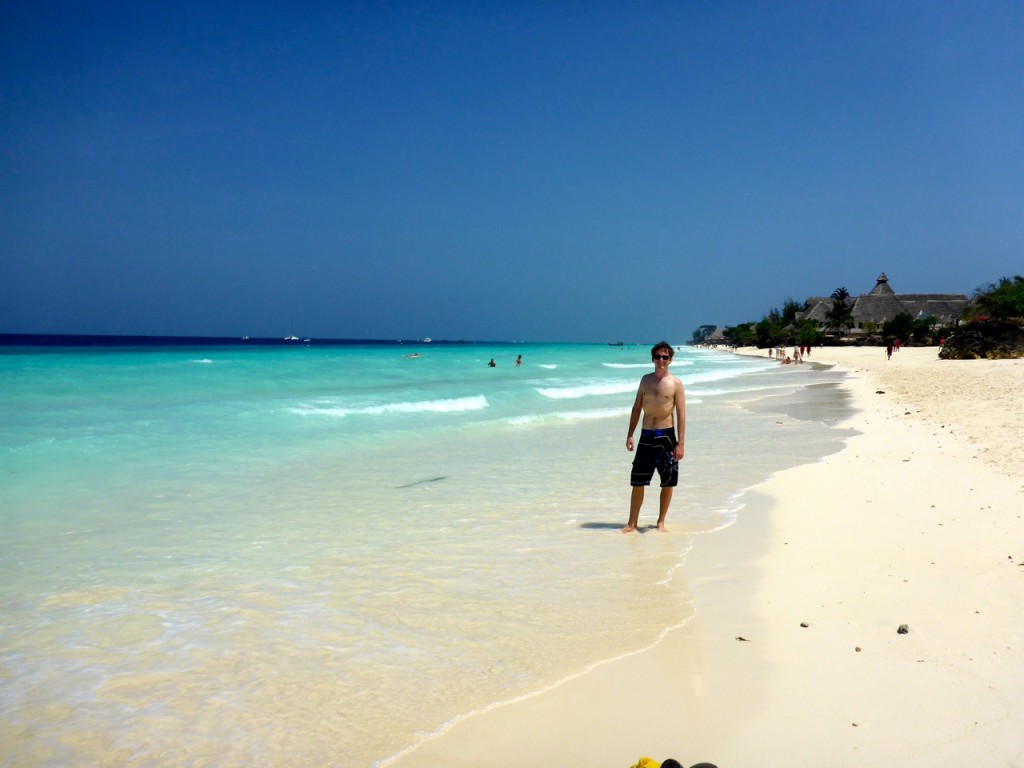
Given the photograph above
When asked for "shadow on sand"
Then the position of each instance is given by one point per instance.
(615, 527)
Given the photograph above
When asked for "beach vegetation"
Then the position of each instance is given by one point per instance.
(840, 316)
(909, 329)
(741, 335)
(807, 333)
(840, 294)
(702, 334)
(872, 319)
(790, 309)
(771, 330)
(995, 324)
(777, 328)
(1000, 301)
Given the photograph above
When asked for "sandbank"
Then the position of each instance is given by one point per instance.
(795, 657)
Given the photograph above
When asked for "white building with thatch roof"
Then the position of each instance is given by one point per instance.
(883, 304)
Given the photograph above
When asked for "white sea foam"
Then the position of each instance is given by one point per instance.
(454, 405)
(594, 413)
(588, 390)
(718, 375)
(717, 391)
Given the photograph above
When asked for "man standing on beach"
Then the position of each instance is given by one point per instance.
(662, 401)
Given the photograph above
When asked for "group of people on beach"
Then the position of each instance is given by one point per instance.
(779, 353)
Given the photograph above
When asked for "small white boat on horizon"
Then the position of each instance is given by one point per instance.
(426, 340)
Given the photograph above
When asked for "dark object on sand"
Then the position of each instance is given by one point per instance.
(903, 629)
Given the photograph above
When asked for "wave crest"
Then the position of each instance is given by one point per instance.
(454, 405)
(588, 390)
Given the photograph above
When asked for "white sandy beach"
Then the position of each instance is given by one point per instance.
(919, 521)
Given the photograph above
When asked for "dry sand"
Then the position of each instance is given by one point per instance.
(918, 521)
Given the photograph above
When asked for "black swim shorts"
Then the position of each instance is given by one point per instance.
(655, 451)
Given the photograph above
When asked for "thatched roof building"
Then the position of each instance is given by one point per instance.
(883, 304)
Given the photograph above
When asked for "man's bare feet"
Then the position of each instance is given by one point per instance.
(629, 529)
(662, 528)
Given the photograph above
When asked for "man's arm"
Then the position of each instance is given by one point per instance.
(634, 416)
(680, 405)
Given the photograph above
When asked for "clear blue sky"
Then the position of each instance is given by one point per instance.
(502, 171)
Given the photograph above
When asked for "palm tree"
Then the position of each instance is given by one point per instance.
(840, 294)
(840, 316)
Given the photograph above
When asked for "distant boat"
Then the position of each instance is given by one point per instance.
(291, 338)
(426, 340)
(615, 344)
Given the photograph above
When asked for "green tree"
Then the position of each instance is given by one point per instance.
(772, 330)
(769, 332)
(999, 301)
(839, 317)
(840, 294)
(807, 332)
(741, 335)
(921, 333)
(790, 309)
(900, 327)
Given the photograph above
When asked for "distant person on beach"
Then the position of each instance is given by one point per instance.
(492, 364)
(661, 401)
(519, 361)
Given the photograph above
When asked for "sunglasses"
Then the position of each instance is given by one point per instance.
(661, 357)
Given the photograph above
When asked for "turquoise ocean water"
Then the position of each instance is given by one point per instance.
(321, 556)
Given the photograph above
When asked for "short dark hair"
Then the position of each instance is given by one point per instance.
(663, 345)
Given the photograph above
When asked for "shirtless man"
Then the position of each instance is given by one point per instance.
(662, 401)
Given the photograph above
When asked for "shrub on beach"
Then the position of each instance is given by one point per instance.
(990, 339)
(995, 324)
(999, 301)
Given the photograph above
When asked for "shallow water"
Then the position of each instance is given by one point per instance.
(317, 556)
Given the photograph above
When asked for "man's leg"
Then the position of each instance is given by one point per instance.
(636, 500)
(666, 499)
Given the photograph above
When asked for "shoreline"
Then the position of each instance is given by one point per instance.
(913, 522)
